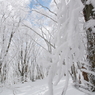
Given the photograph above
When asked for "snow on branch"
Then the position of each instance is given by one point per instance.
(88, 71)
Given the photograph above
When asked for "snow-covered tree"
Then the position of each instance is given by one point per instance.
(71, 54)
(19, 47)
(89, 27)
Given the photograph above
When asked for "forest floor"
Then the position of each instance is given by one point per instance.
(39, 87)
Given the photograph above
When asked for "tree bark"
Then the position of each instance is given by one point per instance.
(88, 16)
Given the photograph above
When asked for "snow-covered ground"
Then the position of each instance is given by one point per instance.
(38, 88)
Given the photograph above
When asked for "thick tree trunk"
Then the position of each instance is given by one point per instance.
(88, 16)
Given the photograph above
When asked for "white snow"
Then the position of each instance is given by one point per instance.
(90, 24)
(38, 88)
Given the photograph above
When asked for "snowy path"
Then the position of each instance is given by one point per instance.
(37, 88)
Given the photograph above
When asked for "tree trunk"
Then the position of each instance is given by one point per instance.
(89, 16)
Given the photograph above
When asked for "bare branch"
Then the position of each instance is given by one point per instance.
(37, 42)
(39, 35)
(56, 3)
(45, 15)
(46, 8)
